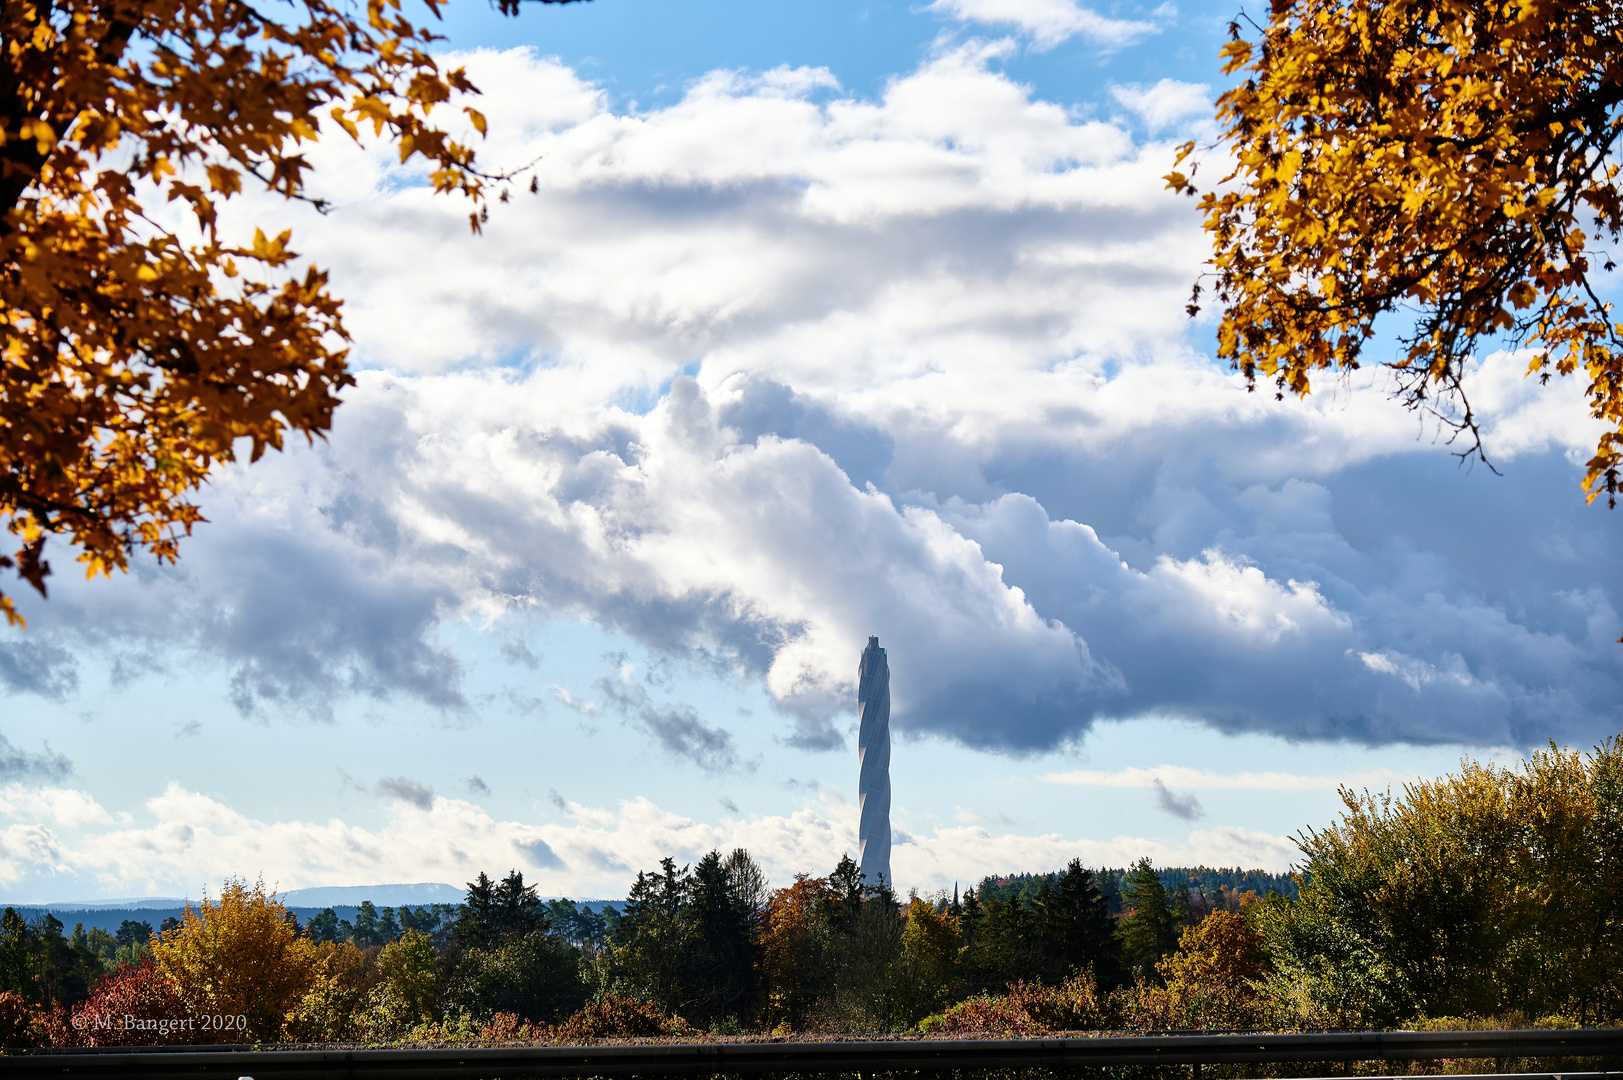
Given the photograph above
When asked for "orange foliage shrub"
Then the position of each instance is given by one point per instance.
(613, 1017)
(16, 1021)
(505, 1025)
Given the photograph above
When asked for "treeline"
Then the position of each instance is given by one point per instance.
(1491, 896)
(1209, 888)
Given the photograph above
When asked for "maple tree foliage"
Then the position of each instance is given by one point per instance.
(135, 354)
(1452, 159)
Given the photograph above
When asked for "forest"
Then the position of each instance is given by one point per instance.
(1492, 896)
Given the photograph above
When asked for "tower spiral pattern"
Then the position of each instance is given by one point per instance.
(873, 757)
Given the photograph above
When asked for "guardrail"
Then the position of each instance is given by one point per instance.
(835, 1056)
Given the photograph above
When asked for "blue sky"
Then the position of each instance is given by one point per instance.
(828, 320)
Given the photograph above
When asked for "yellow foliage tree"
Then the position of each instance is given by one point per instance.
(930, 945)
(1211, 978)
(333, 1008)
(240, 956)
(1449, 157)
(408, 979)
(134, 355)
(1475, 894)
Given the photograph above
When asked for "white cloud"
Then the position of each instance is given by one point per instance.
(65, 807)
(942, 390)
(1416, 673)
(1048, 22)
(1185, 777)
(196, 840)
(1165, 103)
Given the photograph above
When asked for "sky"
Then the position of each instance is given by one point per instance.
(826, 320)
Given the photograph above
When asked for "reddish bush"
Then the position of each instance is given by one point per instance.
(611, 1017)
(54, 1027)
(505, 1025)
(137, 1005)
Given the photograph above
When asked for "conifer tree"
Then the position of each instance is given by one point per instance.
(1148, 933)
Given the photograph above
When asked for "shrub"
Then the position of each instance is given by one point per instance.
(16, 1021)
(534, 976)
(611, 1017)
(1027, 1009)
(54, 1027)
(137, 1005)
(504, 1026)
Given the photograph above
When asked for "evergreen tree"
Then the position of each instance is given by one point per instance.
(1148, 933)
(652, 937)
(725, 906)
(846, 889)
(495, 912)
(1078, 929)
(366, 932)
(1183, 908)
(131, 932)
(325, 926)
(388, 928)
(425, 921)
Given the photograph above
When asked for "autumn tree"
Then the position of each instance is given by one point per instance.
(930, 953)
(239, 956)
(1212, 976)
(1488, 890)
(142, 341)
(1451, 160)
(409, 977)
(790, 949)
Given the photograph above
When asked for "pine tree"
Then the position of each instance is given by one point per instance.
(1148, 933)
(1078, 929)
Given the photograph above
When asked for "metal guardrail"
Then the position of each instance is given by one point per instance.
(756, 1058)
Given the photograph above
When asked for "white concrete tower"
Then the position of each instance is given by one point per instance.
(873, 757)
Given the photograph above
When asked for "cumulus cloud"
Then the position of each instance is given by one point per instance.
(193, 837)
(777, 367)
(64, 807)
(299, 605)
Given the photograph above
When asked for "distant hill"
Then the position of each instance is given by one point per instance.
(419, 895)
(110, 905)
(304, 903)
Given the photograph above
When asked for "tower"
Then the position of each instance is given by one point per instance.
(873, 758)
